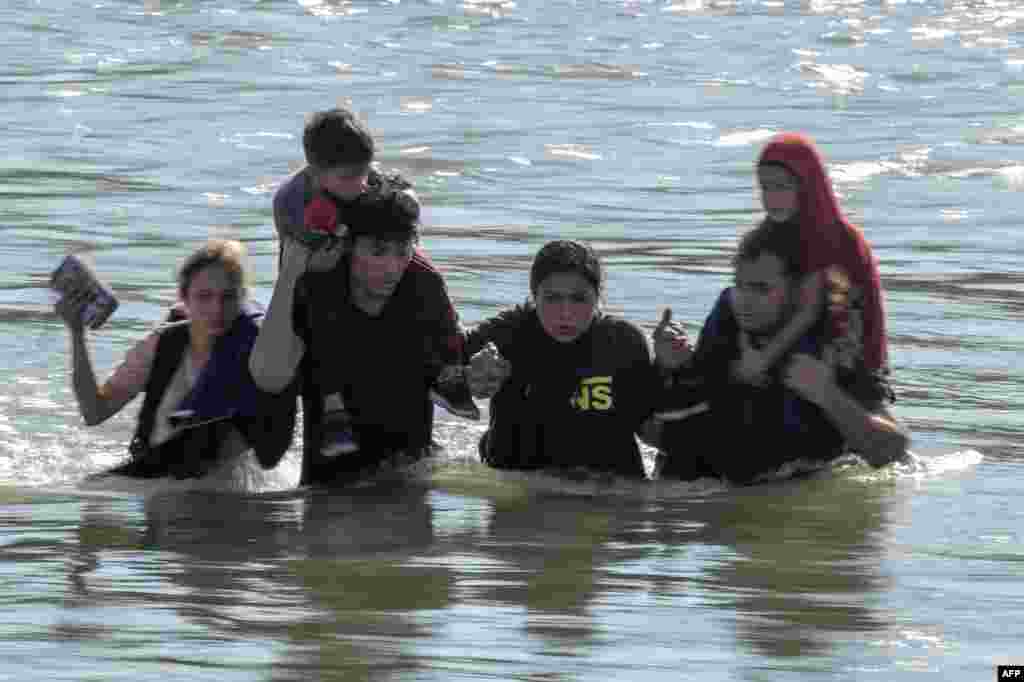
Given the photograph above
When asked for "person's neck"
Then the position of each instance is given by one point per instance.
(793, 223)
(365, 300)
(760, 339)
(200, 345)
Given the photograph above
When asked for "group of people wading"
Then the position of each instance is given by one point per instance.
(790, 364)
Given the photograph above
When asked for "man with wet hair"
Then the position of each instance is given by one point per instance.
(313, 207)
(390, 309)
(819, 402)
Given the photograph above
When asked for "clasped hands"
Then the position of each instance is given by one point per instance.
(487, 371)
(808, 376)
(805, 374)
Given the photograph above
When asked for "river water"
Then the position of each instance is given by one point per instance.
(134, 129)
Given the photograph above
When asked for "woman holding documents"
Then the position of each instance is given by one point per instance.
(201, 411)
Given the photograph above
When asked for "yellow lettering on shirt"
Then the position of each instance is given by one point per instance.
(601, 397)
(593, 394)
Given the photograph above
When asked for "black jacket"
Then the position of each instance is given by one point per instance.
(568, 405)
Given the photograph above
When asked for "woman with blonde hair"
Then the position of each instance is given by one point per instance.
(180, 367)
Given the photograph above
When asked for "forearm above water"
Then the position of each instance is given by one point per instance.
(278, 350)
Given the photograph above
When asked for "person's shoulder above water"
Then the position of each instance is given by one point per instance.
(420, 265)
(290, 197)
(293, 185)
(620, 327)
(623, 334)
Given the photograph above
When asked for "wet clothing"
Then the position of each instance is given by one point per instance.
(568, 405)
(161, 366)
(382, 364)
(752, 430)
(351, 353)
(830, 240)
(225, 388)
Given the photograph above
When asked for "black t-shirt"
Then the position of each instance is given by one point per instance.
(382, 364)
(752, 430)
(568, 405)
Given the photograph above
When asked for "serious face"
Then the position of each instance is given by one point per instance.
(378, 265)
(213, 299)
(566, 305)
(762, 295)
(780, 192)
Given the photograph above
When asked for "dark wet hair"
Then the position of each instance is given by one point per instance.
(385, 213)
(779, 240)
(227, 253)
(567, 256)
(336, 137)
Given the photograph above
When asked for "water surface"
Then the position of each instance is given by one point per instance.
(133, 130)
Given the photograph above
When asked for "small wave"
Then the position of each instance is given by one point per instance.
(860, 171)
(448, 72)
(572, 151)
(849, 37)
(684, 7)
(239, 475)
(921, 74)
(1014, 135)
(596, 70)
(923, 466)
(842, 79)
(930, 34)
(495, 9)
(416, 104)
(1013, 176)
(330, 8)
(231, 39)
(741, 138)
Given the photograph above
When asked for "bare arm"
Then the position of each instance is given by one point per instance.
(96, 405)
(875, 434)
(752, 366)
(278, 350)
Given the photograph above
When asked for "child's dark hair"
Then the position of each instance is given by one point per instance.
(567, 256)
(769, 238)
(336, 137)
(383, 213)
(227, 253)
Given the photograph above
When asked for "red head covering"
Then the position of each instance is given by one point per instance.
(828, 238)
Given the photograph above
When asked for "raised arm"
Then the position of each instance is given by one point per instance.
(278, 350)
(95, 404)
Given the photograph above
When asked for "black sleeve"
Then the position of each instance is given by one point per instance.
(869, 388)
(269, 433)
(717, 343)
(502, 330)
(300, 311)
(437, 320)
(642, 383)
